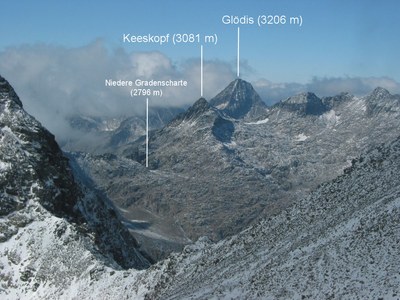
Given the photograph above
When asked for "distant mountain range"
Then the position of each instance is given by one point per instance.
(340, 242)
(215, 171)
(103, 135)
(300, 200)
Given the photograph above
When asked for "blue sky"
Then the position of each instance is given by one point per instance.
(338, 38)
(57, 54)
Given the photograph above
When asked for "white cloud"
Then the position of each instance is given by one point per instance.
(272, 92)
(355, 85)
(150, 64)
(55, 83)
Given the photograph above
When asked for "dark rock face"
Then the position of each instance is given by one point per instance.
(305, 104)
(31, 153)
(335, 101)
(100, 135)
(349, 226)
(6, 91)
(193, 112)
(223, 130)
(239, 100)
(37, 183)
(213, 174)
(381, 101)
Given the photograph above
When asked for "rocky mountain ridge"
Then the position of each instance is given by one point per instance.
(53, 229)
(340, 242)
(239, 100)
(61, 238)
(214, 175)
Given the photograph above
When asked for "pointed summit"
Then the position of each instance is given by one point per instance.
(39, 190)
(21, 134)
(239, 100)
(196, 110)
(7, 92)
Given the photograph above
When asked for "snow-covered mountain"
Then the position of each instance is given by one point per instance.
(53, 230)
(61, 237)
(340, 242)
(239, 100)
(214, 174)
(306, 104)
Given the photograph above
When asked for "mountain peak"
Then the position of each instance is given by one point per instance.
(201, 104)
(306, 103)
(197, 109)
(7, 92)
(302, 98)
(41, 200)
(380, 93)
(239, 100)
(381, 101)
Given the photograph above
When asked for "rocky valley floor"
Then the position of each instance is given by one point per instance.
(241, 201)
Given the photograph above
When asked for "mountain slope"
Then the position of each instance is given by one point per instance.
(52, 229)
(340, 242)
(305, 103)
(211, 174)
(101, 135)
(239, 100)
(24, 142)
(193, 167)
(157, 236)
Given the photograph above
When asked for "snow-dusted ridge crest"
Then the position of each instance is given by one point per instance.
(53, 229)
(60, 239)
(215, 173)
(340, 242)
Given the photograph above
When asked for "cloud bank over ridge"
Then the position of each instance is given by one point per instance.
(272, 92)
(56, 82)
